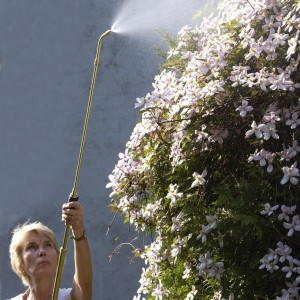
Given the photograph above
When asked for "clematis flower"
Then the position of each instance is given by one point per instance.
(290, 269)
(284, 252)
(268, 209)
(199, 179)
(205, 263)
(293, 289)
(173, 194)
(138, 297)
(177, 222)
(256, 129)
(269, 130)
(292, 46)
(293, 150)
(293, 226)
(205, 229)
(239, 75)
(256, 48)
(263, 157)
(191, 295)
(294, 122)
(244, 108)
(286, 211)
(270, 264)
(218, 135)
(271, 117)
(290, 174)
(271, 23)
(187, 270)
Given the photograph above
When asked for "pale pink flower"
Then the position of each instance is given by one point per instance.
(294, 122)
(199, 179)
(244, 108)
(268, 209)
(290, 174)
(256, 129)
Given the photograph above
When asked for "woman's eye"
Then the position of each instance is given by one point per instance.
(30, 247)
(49, 245)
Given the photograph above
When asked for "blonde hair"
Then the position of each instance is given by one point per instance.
(20, 233)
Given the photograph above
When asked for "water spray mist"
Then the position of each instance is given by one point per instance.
(74, 195)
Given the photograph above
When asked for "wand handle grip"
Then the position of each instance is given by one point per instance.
(72, 198)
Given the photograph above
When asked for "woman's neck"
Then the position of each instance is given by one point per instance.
(40, 290)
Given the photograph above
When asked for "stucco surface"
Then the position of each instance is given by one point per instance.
(47, 49)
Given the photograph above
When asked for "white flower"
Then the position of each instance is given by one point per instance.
(207, 267)
(239, 75)
(159, 292)
(269, 130)
(280, 82)
(204, 231)
(150, 210)
(284, 252)
(218, 135)
(294, 122)
(191, 294)
(140, 102)
(145, 282)
(205, 263)
(173, 194)
(269, 262)
(263, 157)
(290, 174)
(187, 270)
(293, 289)
(285, 296)
(177, 246)
(271, 24)
(290, 269)
(292, 46)
(244, 108)
(256, 129)
(271, 117)
(199, 179)
(256, 48)
(293, 150)
(138, 297)
(177, 222)
(268, 209)
(286, 211)
(294, 225)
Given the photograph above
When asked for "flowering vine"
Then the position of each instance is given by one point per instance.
(211, 168)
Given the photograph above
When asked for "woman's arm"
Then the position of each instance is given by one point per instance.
(83, 278)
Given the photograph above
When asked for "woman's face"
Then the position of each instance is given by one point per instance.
(39, 256)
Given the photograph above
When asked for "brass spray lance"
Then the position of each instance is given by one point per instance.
(73, 195)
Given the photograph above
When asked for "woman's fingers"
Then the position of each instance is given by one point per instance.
(72, 214)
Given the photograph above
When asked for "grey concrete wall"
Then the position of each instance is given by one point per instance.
(47, 49)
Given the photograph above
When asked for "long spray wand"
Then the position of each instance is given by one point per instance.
(74, 195)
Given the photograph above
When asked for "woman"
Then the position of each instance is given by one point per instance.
(34, 257)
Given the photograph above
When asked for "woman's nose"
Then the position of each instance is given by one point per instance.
(42, 251)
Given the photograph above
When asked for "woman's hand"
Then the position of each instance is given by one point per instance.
(72, 215)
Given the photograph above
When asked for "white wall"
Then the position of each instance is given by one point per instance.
(47, 49)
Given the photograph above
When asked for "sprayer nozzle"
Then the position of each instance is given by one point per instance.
(105, 34)
(109, 31)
